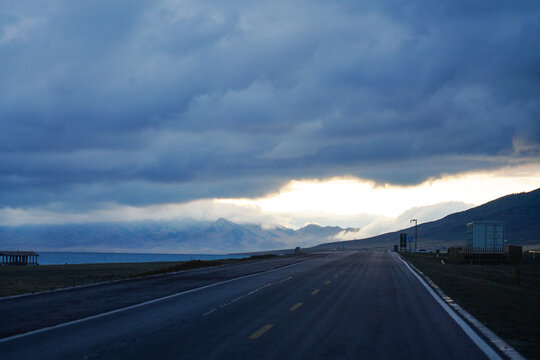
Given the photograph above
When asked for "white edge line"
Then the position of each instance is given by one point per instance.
(490, 353)
(9, 297)
(18, 336)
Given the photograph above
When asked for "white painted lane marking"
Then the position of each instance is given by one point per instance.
(119, 280)
(18, 336)
(486, 349)
(245, 295)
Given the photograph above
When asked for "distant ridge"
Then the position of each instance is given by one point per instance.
(175, 236)
(521, 212)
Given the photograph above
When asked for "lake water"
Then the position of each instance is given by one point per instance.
(57, 258)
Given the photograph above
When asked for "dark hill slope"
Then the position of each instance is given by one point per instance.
(521, 212)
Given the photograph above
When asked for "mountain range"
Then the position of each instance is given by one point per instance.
(178, 236)
(521, 213)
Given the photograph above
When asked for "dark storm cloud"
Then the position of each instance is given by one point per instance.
(150, 102)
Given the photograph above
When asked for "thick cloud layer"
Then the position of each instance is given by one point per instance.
(137, 102)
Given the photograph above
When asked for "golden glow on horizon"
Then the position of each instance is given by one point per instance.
(347, 202)
(347, 196)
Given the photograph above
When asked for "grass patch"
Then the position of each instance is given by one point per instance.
(494, 295)
(195, 264)
(25, 279)
(16, 280)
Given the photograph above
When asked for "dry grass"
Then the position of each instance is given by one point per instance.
(26, 279)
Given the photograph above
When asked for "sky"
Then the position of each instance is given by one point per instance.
(351, 113)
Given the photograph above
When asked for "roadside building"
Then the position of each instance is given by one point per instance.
(485, 236)
(486, 245)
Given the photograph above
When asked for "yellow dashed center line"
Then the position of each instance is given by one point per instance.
(261, 331)
(315, 292)
(295, 306)
(327, 282)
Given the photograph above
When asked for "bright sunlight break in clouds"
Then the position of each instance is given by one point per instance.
(351, 113)
(351, 196)
(347, 202)
(347, 198)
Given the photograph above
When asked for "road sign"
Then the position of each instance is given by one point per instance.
(410, 239)
(403, 241)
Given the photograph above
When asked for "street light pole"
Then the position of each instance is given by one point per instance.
(415, 232)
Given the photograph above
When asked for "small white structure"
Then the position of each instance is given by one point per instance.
(485, 235)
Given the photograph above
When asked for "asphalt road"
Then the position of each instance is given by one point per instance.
(28, 313)
(346, 305)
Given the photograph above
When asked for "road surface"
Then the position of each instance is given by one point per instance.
(345, 305)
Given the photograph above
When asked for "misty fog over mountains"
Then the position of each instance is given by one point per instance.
(520, 212)
(179, 236)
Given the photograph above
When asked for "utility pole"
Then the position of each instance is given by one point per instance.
(415, 232)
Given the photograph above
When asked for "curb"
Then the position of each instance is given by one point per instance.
(489, 335)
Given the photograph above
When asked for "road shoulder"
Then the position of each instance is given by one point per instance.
(486, 336)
